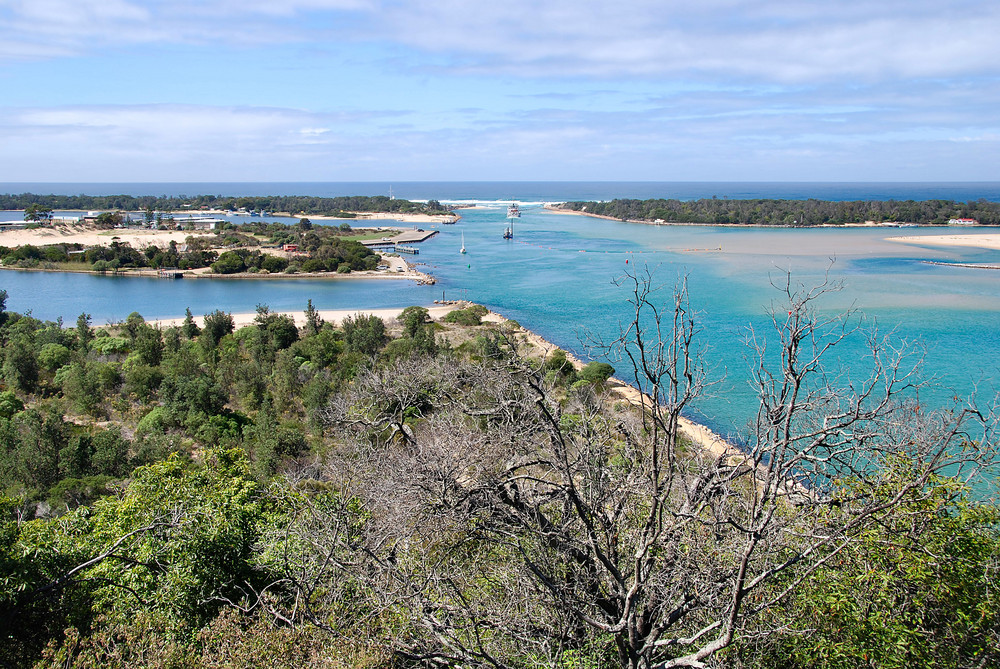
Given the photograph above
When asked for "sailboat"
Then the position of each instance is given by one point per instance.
(463, 242)
(512, 213)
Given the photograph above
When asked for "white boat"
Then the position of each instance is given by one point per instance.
(512, 212)
(463, 242)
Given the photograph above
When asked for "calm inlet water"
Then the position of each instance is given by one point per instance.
(556, 278)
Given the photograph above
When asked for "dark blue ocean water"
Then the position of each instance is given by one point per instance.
(557, 278)
(543, 191)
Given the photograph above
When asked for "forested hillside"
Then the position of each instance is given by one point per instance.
(415, 493)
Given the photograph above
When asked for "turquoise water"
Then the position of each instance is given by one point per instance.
(556, 278)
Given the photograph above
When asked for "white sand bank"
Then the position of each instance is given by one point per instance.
(985, 241)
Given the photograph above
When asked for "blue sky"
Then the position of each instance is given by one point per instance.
(356, 90)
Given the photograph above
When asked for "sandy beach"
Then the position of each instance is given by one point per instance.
(335, 316)
(986, 241)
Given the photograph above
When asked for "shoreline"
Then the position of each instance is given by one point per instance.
(358, 215)
(412, 275)
(336, 316)
(141, 238)
(700, 435)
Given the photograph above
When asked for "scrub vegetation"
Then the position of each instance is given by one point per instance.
(248, 248)
(416, 493)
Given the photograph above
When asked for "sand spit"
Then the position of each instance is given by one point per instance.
(985, 241)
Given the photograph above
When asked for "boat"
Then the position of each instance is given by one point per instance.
(512, 213)
(463, 242)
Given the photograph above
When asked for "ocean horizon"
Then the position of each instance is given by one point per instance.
(538, 191)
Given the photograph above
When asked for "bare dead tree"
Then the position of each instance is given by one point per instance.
(509, 524)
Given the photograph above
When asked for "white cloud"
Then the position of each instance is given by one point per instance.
(807, 133)
(756, 40)
(165, 141)
(761, 40)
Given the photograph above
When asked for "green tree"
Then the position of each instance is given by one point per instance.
(916, 590)
(190, 328)
(229, 262)
(364, 333)
(81, 385)
(472, 315)
(111, 453)
(84, 333)
(413, 319)
(37, 213)
(596, 372)
(103, 266)
(20, 364)
(314, 322)
(53, 356)
(177, 543)
(9, 404)
(109, 219)
(218, 324)
(133, 323)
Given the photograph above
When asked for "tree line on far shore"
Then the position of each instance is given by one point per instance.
(716, 211)
(314, 206)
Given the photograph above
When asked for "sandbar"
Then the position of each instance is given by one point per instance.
(986, 241)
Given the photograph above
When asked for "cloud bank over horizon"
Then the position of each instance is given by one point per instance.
(220, 90)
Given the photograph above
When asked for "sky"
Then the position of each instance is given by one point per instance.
(442, 90)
